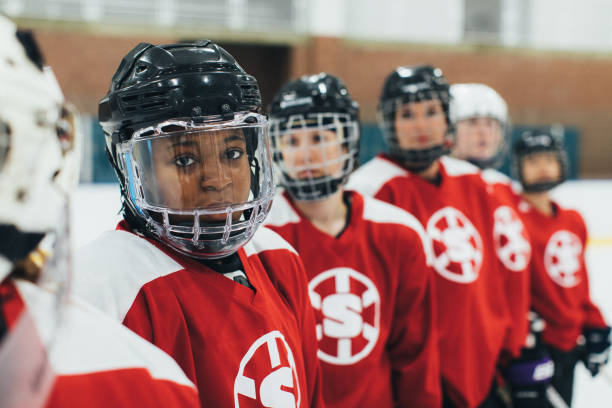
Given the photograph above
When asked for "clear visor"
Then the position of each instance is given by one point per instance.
(200, 181)
(314, 148)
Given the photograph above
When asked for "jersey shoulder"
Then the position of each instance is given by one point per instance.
(496, 177)
(110, 271)
(85, 340)
(380, 212)
(457, 168)
(281, 213)
(372, 176)
(266, 241)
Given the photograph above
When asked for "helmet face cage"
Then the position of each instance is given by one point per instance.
(416, 159)
(315, 152)
(201, 187)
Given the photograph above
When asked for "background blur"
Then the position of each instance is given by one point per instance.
(550, 59)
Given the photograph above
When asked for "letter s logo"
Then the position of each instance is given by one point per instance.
(342, 313)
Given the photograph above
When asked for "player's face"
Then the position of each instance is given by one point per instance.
(312, 153)
(420, 125)
(541, 167)
(478, 138)
(208, 170)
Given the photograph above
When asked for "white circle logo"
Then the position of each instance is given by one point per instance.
(562, 258)
(457, 245)
(511, 241)
(347, 308)
(279, 386)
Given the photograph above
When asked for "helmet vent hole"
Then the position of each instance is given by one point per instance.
(153, 94)
(152, 105)
(141, 68)
(172, 128)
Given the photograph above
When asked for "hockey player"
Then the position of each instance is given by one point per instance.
(189, 268)
(559, 279)
(481, 303)
(480, 118)
(367, 261)
(56, 351)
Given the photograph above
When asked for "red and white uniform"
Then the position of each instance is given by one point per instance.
(371, 292)
(559, 279)
(240, 347)
(79, 357)
(511, 240)
(481, 304)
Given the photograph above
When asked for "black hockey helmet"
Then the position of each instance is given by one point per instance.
(413, 84)
(184, 88)
(544, 139)
(319, 101)
(193, 80)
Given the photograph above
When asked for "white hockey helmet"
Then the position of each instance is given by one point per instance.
(38, 159)
(470, 101)
(477, 101)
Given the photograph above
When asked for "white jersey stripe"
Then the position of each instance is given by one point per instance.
(378, 211)
(110, 271)
(372, 176)
(87, 341)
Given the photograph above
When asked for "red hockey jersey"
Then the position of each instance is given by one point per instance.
(480, 302)
(76, 356)
(240, 347)
(512, 243)
(559, 279)
(371, 291)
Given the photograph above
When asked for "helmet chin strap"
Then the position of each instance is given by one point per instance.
(318, 189)
(541, 186)
(419, 160)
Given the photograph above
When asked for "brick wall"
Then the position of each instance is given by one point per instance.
(540, 88)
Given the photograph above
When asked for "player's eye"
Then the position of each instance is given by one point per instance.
(317, 138)
(234, 153)
(184, 160)
(432, 111)
(292, 141)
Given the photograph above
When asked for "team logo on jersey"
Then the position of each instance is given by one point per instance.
(457, 245)
(562, 258)
(511, 242)
(347, 306)
(278, 386)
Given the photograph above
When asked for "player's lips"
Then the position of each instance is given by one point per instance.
(422, 139)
